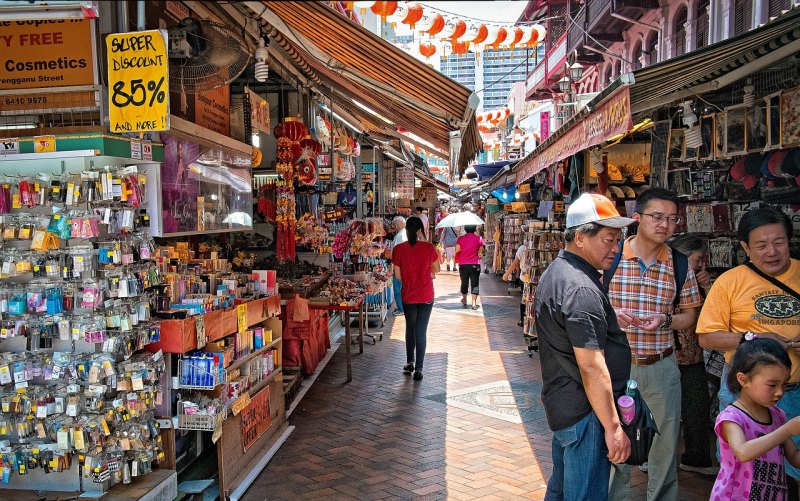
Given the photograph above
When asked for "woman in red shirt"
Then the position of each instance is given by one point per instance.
(415, 265)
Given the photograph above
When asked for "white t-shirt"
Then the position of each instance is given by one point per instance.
(399, 238)
(520, 254)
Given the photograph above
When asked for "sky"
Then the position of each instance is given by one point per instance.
(505, 12)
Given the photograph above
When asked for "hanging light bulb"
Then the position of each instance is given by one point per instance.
(516, 195)
(261, 67)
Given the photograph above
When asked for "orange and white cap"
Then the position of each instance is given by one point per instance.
(595, 208)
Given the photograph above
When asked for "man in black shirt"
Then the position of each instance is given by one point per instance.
(584, 354)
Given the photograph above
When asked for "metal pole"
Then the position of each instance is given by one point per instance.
(374, 181)
(140, 22)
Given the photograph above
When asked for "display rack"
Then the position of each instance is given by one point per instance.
(542, 245)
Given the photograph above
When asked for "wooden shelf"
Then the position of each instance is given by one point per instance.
(243, 360)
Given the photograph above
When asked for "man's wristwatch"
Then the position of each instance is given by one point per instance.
(667, 321)
(748, 336)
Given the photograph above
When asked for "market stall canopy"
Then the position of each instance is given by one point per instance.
(716, 66)
(486, 171)
(336, 53)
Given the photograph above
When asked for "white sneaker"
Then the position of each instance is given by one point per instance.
(703, 470)
(643, 468)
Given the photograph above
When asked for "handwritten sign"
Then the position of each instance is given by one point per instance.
(256, 418)
(241, 317)
(45, 53)
(240, 403)
(259, 112)
(138, 81)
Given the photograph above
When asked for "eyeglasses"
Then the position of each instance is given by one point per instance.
(658, 218)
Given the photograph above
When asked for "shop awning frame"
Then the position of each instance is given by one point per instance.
(350, 61)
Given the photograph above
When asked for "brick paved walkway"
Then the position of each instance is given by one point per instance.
(474, 428)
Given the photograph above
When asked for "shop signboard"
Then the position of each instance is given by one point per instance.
(212, 110)
(255, 418)
(259, 112)
(405, 182)
(544, 125)
(610, 119)
(45, 53)
(138, 81)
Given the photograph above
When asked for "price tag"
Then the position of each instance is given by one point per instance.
(241, 316)
(138, 93)
(240, 403)
(136, 149)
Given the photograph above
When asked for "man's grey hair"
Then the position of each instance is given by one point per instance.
(590, 229)
(399, 221)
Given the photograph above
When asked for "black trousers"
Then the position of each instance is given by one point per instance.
(695, 414)
(470, 277)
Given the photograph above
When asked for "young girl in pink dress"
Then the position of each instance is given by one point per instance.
(753, 432)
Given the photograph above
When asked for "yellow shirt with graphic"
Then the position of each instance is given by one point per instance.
(741, 301)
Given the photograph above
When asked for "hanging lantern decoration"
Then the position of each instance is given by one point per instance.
(537, 35)
(438, 25)
(461, 29)
(479, 117)
(427, 49)
(426, 21)
(507, 112)
(306, 162)
(384, 9)
(293, 129)
(412, 13)
(497, 34)
(516, 36)
(449, 29)
(460, 48)
(285, 157)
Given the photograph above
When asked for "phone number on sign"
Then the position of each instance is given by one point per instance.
(8, 101)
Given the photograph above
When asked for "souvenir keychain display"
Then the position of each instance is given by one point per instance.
(76, 301)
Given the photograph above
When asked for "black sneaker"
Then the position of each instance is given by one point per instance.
(448, 267)
(408, 368)
(417, 375)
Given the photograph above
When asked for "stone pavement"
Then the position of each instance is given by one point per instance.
(474, 428)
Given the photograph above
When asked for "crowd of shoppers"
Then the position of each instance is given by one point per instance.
(659, 308)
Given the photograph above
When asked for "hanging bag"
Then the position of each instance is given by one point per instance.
(641, 432)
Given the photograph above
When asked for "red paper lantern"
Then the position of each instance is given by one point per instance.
(516, 36)
(507, 112)
(438, 25)
(483, 32)
(479, 116)
(461, 28)
(502, 34)
(414, 15)
(537, 35)
(384, 9)
(312, 144)
(427, 49)
(293, 129)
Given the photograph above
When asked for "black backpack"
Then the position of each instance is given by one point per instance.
(681, 264)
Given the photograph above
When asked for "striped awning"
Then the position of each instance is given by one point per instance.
(716, 66)
(356, 65)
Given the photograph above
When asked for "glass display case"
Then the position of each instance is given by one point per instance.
(201, 189)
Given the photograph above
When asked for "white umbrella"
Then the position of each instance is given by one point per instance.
(460, 219)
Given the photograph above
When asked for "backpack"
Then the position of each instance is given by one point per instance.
(681, 268)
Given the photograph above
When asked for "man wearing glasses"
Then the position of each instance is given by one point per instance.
(642, 292)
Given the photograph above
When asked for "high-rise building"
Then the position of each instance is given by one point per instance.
(493, 73)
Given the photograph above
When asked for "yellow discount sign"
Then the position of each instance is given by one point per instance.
(138, 81)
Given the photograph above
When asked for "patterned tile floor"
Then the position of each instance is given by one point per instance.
(474, 428)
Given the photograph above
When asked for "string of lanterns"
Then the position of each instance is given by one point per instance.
(461, 34)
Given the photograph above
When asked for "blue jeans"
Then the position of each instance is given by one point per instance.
(417, 316)
(581, 468)
(398, 301)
